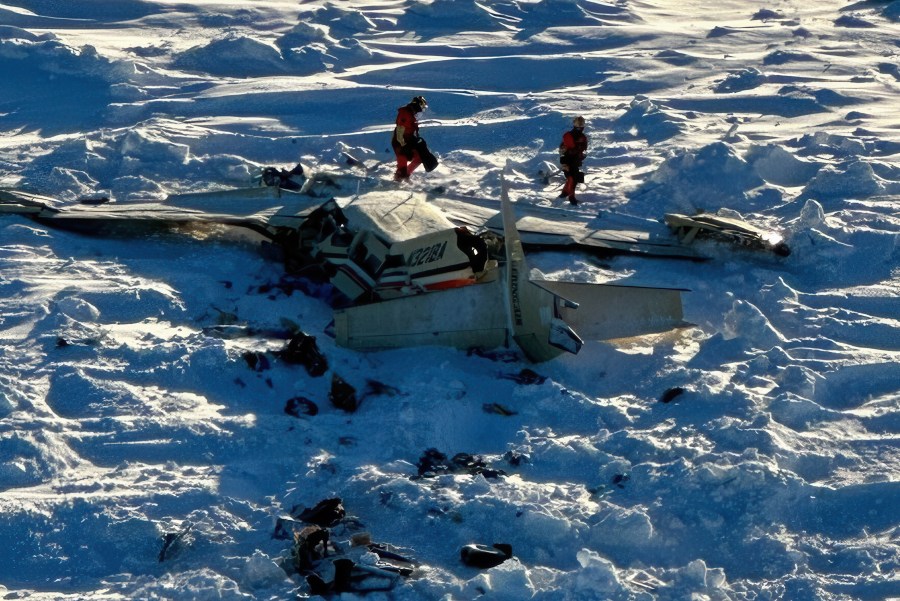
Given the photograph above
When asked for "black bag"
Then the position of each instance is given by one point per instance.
(429, 161)
(303, 349)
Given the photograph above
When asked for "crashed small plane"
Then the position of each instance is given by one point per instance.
(500, 303)
(413, 270)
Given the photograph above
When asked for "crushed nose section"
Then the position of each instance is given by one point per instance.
(365, 264)
(435, 261)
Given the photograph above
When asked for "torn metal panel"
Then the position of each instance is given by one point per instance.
(469, 317)
(606, 311)
(554, 228)
(727, 228)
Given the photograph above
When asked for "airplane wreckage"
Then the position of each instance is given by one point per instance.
(728, 229)
(416, 270)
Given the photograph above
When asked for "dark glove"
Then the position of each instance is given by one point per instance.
(408, 150)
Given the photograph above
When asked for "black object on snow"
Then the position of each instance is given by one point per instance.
(516, 458)
(620, 480)
(311, 545)
(376, 388)
(282, 178)
(302, 349)
(498, 409)
(482, 556)
(429, 161)
(285, 527)
(526, 376)
(501, 356)
(299, 405)
(331, 567)
(172, 541)
(256, 361)
(433, 462)
(326, 513)
(342, 395)
(671, 393)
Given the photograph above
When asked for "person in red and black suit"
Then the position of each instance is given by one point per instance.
(405, 140)
(571, 156)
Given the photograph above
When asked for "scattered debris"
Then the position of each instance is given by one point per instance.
(482, 556)
(332, 566)
(433, 462)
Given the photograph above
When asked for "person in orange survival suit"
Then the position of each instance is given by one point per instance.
(571, 156)
(405, 140)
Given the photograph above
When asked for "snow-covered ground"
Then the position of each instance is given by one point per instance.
(127, 412)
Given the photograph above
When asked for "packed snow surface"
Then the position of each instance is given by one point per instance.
(750, 455)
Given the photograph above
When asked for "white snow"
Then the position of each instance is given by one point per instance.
(140, 389)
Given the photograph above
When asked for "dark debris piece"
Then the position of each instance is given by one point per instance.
(343, 395)
(526, 376)
(303, 350)
(621, 479)
(515, 459)
(670, 394)
(311, 544)
(299, 406)
(326, 513)
(333, 566)
(433, 462)
(376, 388)
(172, 542)
(501, 356)
(257, 361)
(483, 556)
(284, 528)
(497, 409)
